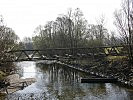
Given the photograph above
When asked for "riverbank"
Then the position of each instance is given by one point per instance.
(6, 69)
(16, 83)
(106, 68)
(10, 80)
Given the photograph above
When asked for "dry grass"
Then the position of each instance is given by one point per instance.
(2, 75)
(116, 58)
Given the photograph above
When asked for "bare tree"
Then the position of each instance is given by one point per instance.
(124, 23)
(8, 40)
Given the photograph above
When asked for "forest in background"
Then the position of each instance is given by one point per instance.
(72, 30)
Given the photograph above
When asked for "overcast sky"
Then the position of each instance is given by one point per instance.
(25, 15)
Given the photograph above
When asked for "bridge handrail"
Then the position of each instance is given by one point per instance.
(67, 48)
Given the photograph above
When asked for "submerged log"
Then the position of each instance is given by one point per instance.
(99, 80)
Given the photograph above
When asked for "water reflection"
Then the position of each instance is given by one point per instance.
(56, 82)
(27, 70)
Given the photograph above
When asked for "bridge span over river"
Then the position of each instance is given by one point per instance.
(66, 53)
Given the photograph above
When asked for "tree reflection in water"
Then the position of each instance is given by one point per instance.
(56, 82)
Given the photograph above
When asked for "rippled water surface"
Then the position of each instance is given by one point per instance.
(56, 82)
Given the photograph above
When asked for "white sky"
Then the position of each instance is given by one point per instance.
(25, 15)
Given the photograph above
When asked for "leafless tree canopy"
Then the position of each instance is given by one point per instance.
(124, 23)
(8, 39)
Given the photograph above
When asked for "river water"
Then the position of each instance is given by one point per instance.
(56, 82)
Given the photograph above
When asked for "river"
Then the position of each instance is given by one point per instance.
(56, 82)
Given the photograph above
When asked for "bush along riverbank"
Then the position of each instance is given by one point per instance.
(107, 67)
(6, 69)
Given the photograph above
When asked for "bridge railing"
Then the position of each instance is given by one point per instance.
(49, 53)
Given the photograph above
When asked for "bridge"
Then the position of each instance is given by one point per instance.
(66, 53)
(70, 54)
